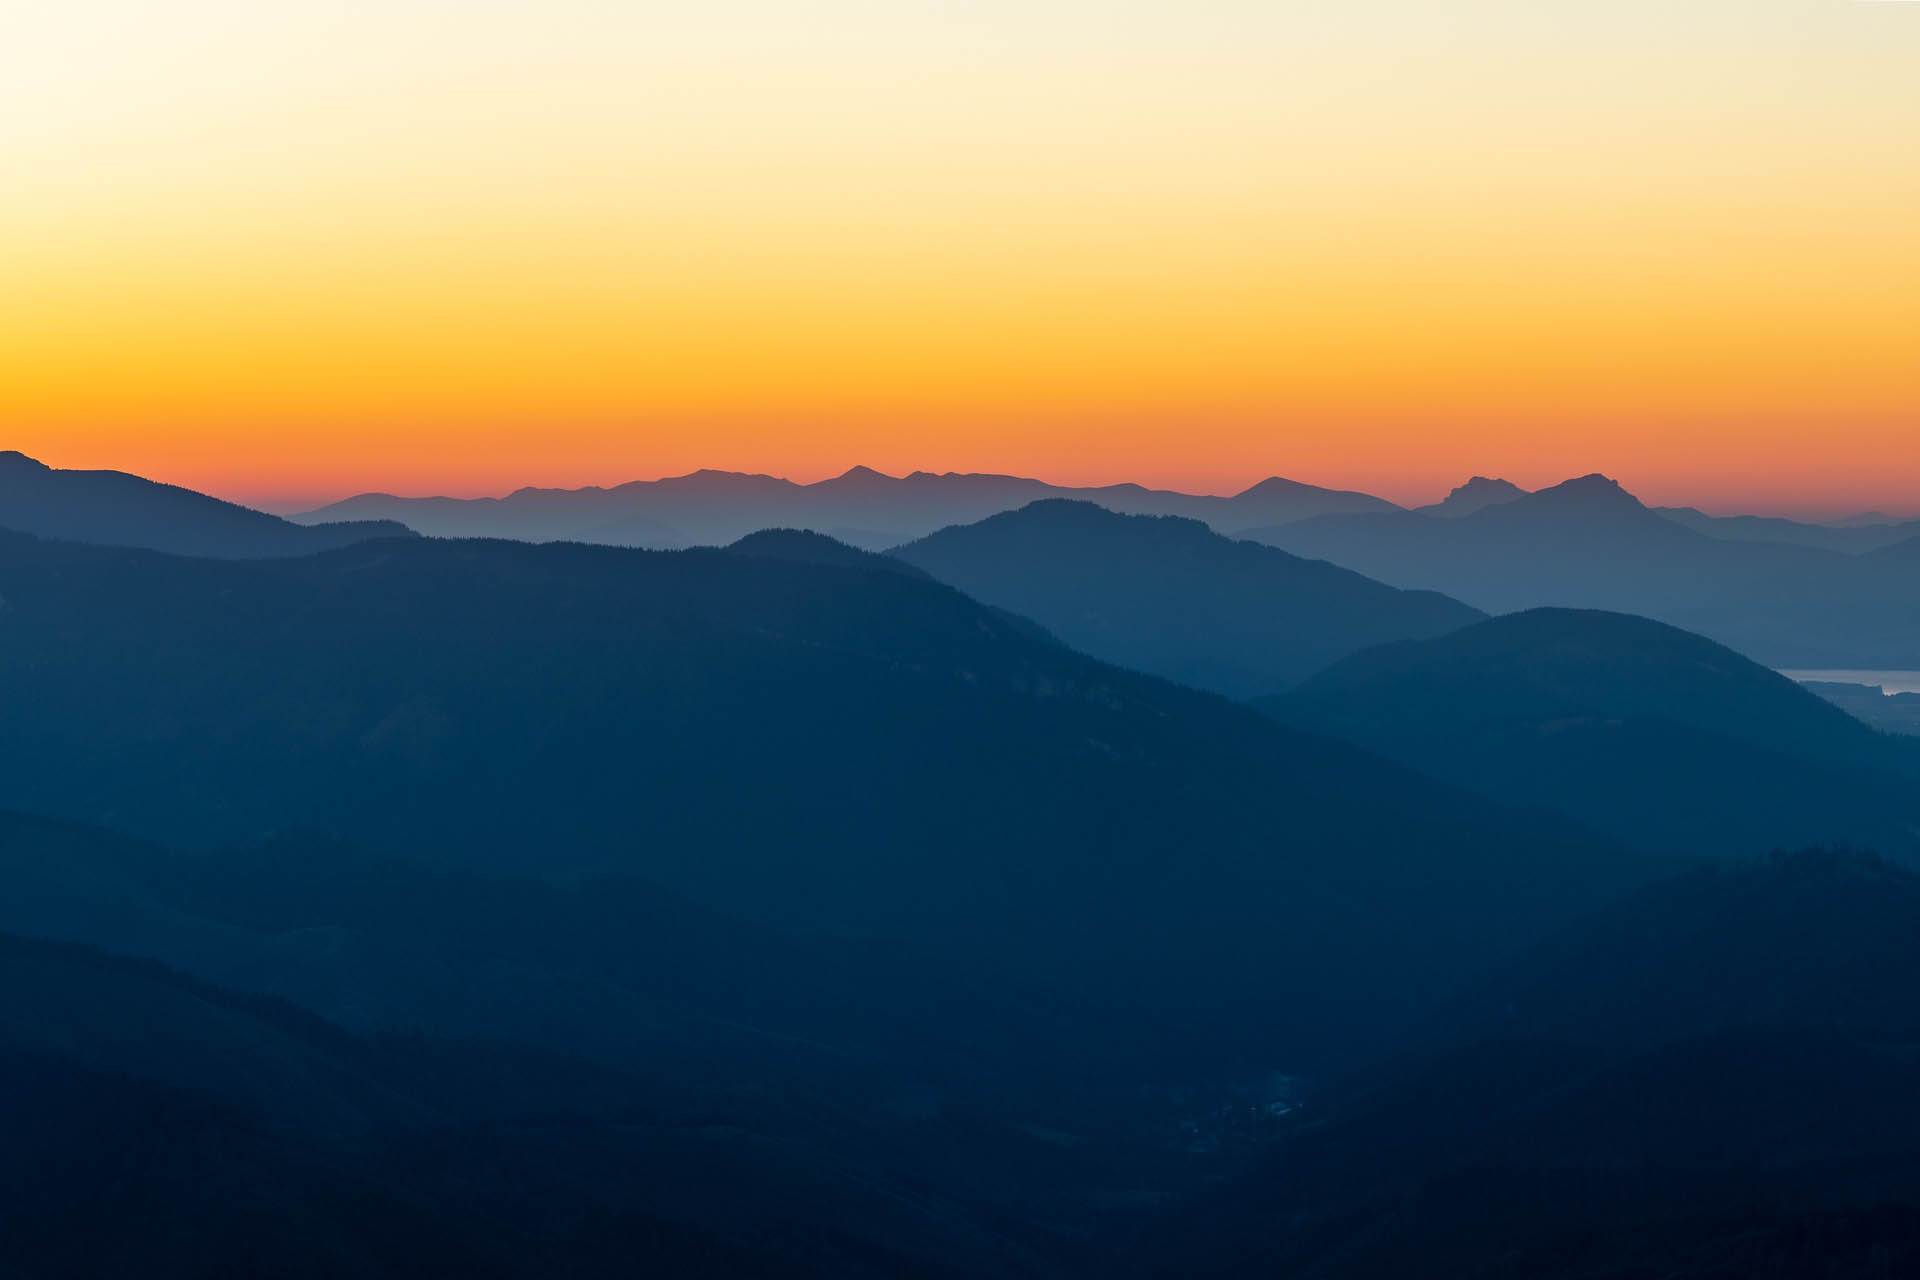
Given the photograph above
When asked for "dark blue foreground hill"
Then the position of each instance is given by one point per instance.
(117, 509)
(1716, 1077)
(158, 1127)
(1169, 596)
(1656, 735)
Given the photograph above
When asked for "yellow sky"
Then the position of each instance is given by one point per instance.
(300, 248)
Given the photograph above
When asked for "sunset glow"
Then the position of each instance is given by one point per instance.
(292, 251)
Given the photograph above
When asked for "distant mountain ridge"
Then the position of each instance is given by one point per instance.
(115, 508)
(715, 508)
(875, 511)
(1850, 539)
(1590, 544)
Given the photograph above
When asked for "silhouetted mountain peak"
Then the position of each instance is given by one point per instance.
(859, 483)
(1590, 492)
(1273, 486)
(1476, 494)
(14, 458)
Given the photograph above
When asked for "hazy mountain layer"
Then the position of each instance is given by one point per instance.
(1168, 596)
(1590, 544)
(713, 508)
(1850, 539)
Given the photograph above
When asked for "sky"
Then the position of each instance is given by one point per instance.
(289, 251)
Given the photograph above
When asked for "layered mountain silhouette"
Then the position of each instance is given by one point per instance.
(1653, 734)
(1714, 1078)
(862, 507)
(115, 508)
(832, 750)
(1868, 533)
(526, 907)
(1588, 543)
(1167, 595)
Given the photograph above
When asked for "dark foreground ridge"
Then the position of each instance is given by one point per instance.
(1715, 1078)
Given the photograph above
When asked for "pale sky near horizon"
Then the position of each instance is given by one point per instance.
(293, 250)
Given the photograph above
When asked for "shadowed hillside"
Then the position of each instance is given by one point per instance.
(611, 969)
(1658, 736)
(1170, 597)
(160, 1127)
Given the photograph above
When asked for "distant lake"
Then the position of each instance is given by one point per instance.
(1889, 681)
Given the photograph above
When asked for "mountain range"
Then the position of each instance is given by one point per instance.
(865, 508)
(1590, 544)
(1854, 536)
(861, 507)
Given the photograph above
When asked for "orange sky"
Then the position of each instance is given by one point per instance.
(290, 252)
